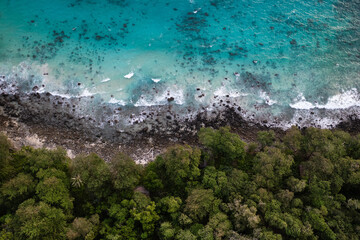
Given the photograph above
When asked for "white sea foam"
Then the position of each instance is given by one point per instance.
(86, 93)
(196, 11)
(142, 102)
(116, 101)
(266, 98)
(156, 80)
(344, 100)
(162, 99)
(311, 120)
(105, 80)
(223, 91)
(68, 96)
(129, 75)
(41, 90)
(350, 98)
(301, 103)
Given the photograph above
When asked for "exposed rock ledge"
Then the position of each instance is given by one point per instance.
(43, 120)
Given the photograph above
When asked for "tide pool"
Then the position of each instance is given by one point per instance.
(269, 57)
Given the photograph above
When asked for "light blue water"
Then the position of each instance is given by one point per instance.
(266, 55)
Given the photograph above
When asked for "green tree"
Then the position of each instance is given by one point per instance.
(7, 169)
(53, 191)
(271, 166)
(170, 206)
(167, 231)
(151, 180)
(147, 218)
(266, 138)
(215, 180)
(227, 148)
(285, 197)
(217, 227)
(64, 177)
(240, 182)
(295, 184)
(349, 170)
(266, 234)
(120, 225)
(131, 219)
(317, 221)
(18, 188)
(90, 177)
(125, 173)
(36, 159)
(185, 235)
(293, 141)
(83, 228)
(318, 166)
(175, 170)
(142, 210)
(244, 216)
(323, 142)
(38, 221)
(201, 203)
(353, 147)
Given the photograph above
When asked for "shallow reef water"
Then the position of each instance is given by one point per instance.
(271, 59)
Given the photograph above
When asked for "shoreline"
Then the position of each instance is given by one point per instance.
(39, 120)
(43, 120)
(142, 149)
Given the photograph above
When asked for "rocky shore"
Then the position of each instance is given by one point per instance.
(44, 120)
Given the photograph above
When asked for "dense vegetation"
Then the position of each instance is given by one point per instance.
(302, 186)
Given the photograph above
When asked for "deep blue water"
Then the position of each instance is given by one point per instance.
(267, 56)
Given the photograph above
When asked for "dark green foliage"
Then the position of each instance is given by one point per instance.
(304, 185)
(201, 204)
(34, 160)
(227, 148)
(131, 219)
(91, 184)
(244, 216)
(217, 228)
(54, 192)
(271, 166)
(166, 231)
(91, 175)
(293, 141)
(6, 165)
(19, 187)
(266, 138)
(83, 228)
(174, 171)
(170, 207)
(323, 142)
(215, 180)
(125, 173)
(38, 221)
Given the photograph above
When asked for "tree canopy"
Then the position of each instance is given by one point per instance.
(303, 184)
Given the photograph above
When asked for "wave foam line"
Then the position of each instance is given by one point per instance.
(350, 98)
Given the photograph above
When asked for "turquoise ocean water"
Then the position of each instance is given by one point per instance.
(270, 57)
